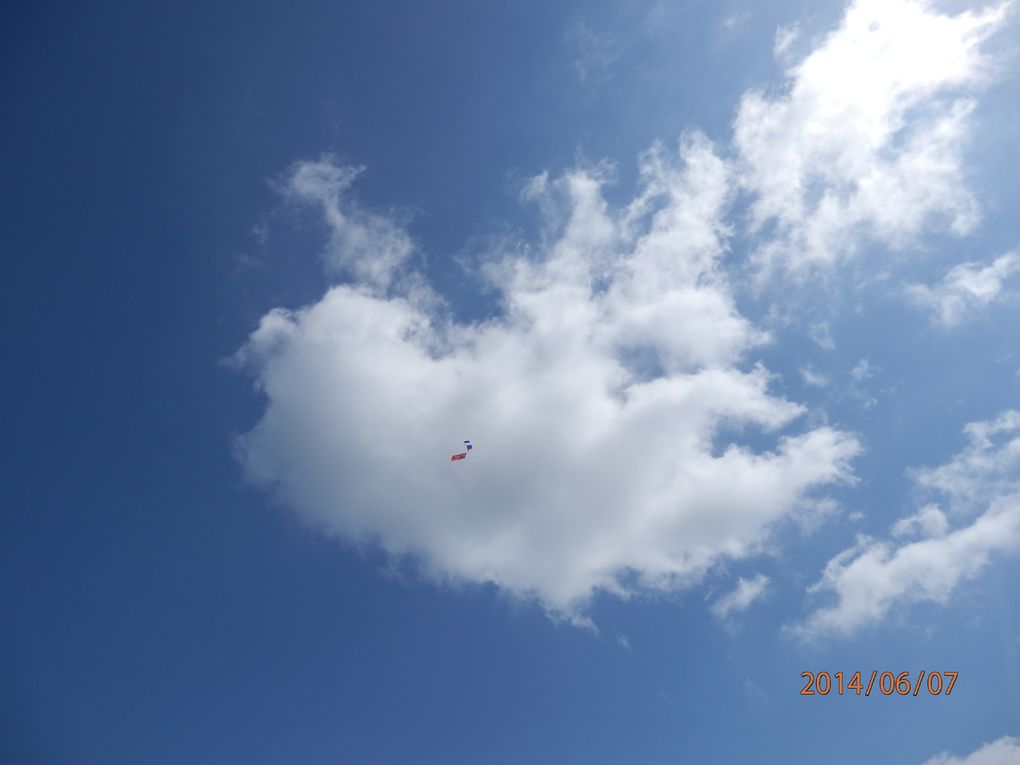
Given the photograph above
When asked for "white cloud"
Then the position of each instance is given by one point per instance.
(821, 335)
(929, 521)
(1005, 751)
(813, 378)
(785, 37)
(368, 246)
(594, 53)
(988, 467)
(873, 577)
(868, 138)
(863, 370)
(746, 592)
(601, 398)
(596, 402)
(734, 20)
(966, 289)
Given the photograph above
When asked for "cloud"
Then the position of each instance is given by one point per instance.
(966, 289)
(746, 592)
(813, 378)
(734, 20)
(594, 53)
(930, 559)
(987, 468)
(367, 246)
(606, 402)
(863, 370)
(868, 138)
(786, 35)
(821, 335)
(1005, 751)
(929, 521)
(610, 396)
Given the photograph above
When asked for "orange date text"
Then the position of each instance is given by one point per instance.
(907, 683)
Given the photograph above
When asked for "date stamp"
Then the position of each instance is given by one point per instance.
(884, 683)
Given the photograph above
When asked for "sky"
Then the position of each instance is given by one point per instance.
(724, 295)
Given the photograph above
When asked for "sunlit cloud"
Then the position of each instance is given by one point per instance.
(597, 401)
(931, 555)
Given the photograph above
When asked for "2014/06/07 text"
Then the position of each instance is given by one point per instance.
(903, 684)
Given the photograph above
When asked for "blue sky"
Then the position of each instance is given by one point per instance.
(725, 296)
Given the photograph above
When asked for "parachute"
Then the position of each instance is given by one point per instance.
(463, 455)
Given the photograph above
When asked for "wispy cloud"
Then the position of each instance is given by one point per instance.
(367, 246)
(930, 558)
(821, 335)
(746, 592)
(966, 289)
(862, 370)
(594, 53)
(734, 20)
(928, 522)
(785, 37)
(813, 378)
(1004, 751)
(987, 468)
